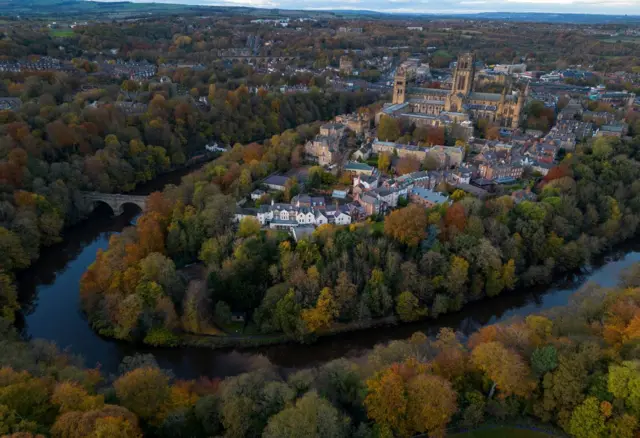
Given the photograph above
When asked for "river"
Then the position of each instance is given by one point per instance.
(49, 292)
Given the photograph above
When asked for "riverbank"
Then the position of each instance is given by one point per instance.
(252, 341)
(49, 294)
(233, 341)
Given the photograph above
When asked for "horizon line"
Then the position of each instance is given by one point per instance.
(377, 11)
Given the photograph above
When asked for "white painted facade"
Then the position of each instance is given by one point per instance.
(301, 215)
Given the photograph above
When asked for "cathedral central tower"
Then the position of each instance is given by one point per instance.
(464, 74)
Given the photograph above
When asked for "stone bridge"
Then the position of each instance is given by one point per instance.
(115, 201)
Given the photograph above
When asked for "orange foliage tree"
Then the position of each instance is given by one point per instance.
(506, 369)
(407, 225)
(405, 399)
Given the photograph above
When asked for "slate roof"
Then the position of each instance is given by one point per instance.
(429, 195)
(494, 97)
(351, 166)
(438, 91)
(278, 180)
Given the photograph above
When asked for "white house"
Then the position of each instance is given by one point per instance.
(214, 148)
(241, 213)
(288, 215)
(368, 182)
(390, 196)
(305, 216)
(361, 154)
(257, 194)
(338, 217)
(319, 218)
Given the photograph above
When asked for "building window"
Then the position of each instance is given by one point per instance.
(461, 82)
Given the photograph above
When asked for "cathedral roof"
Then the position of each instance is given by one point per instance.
(436, 91)
(473, 106)
(494, 97)
(426, 101)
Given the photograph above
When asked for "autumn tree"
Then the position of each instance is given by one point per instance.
(109, 421)
(408, 307)
(432, 403)
(384, 161)
(587, 421)
(407, 225)
(436, 136)
(506, 369)
(312, 416)
(322, 315)
(144, 391)
(404, 400)
(249, 226)
(73, 397)
(624, 384)
(386, 402)
(388, 129)
(407, 165)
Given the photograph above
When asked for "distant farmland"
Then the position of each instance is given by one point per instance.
(61, 33)
(622, 39)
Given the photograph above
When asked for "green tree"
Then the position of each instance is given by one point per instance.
(602, 148)
(223, 313)
(388, 129)
(312, 416)
(408, 307)
(249, 226)
(624, 384)
(457, 278)
(587, 420)
(544, 359)
(12, 254)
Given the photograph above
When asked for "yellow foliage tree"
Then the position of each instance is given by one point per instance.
(321, 316)
(71, 396)
(507, 370)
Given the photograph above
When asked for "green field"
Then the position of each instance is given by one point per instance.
(622, 39)
(502, 432)
(61, 33)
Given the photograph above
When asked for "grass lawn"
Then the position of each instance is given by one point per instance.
(378, 227)
(61, 33)
(233, 328)
(501, 432)
(372, 161)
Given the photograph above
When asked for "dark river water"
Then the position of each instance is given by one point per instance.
(49, 291)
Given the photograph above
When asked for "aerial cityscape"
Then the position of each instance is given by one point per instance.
(330, 219)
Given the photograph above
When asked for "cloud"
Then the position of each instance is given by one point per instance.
(630, 7)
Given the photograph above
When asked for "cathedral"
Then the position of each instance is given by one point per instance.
(458, 103)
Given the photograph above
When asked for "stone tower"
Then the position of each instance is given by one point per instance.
(399, 86)
(521, 103)
(464, 74)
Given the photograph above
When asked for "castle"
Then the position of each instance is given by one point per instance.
(430, 106)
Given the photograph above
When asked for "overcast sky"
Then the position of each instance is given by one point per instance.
(631, 7)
